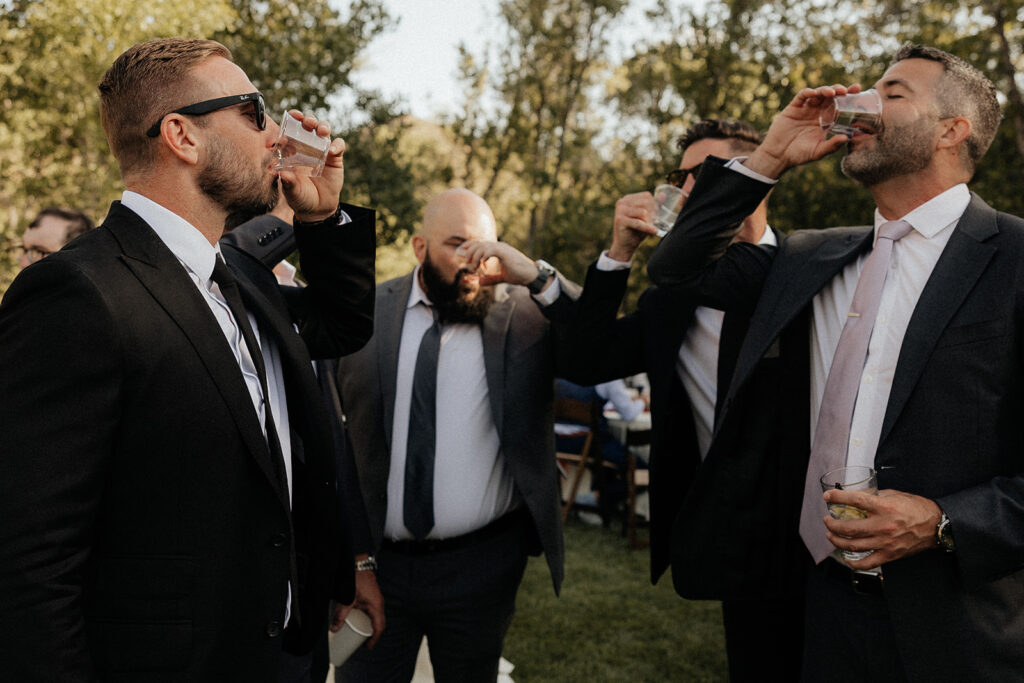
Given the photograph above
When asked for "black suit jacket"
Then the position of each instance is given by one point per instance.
(269, 240)
(147, 536)
(605, 347)
(952, 432)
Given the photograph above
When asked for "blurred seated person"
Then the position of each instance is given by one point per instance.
(569, 439)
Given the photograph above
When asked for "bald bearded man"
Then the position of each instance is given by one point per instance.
(455, 506)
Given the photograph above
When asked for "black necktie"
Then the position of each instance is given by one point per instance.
(418, 503)
(229, 288)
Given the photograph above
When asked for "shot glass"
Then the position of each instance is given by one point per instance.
(668, 200)
(857, 478)
(298, 148)
(852, 114)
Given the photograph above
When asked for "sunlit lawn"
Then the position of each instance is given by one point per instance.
(610, 624)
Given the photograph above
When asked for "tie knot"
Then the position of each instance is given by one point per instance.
(221, 273)
(894, 230)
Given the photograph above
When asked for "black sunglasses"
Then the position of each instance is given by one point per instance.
(208, 106)
(678, 176)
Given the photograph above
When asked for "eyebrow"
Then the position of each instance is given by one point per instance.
(897, 82)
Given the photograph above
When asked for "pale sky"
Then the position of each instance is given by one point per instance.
(419, 58)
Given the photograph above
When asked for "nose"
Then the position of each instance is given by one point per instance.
(272, 131)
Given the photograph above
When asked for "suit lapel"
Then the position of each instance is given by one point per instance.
(494, 333)
(961, 264)
(791, 285)
(168, 283)
(390, 317)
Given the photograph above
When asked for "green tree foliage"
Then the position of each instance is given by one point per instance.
(52, 55)
(529, 131)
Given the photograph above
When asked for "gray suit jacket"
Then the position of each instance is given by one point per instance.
(519, 355)
(952, 432)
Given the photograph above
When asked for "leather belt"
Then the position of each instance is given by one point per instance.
(444, 545)
(861, 583)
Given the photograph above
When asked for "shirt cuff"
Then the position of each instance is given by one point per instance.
(548, 296)
(606, 262)
(736, 164)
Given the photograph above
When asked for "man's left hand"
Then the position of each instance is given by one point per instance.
(315, 199)
(898, 525)
(498, 262)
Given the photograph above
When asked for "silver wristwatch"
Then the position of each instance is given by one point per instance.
(944, 534)
(545, 274)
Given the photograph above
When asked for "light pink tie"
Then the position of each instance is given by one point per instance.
(832, 436)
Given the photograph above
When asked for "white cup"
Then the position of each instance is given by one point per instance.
(353, 633)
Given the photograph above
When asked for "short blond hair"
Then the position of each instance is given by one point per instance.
(146, 82)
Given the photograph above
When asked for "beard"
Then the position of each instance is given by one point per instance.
(456, 301)
(898, 151)
(242, 191)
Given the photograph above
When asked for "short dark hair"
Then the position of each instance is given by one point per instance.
(742, 136)
(145, 82)
(963, 91)
(78, 222)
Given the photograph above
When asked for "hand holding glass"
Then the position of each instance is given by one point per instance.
(297, 147)
(858, 478)
(852, 114)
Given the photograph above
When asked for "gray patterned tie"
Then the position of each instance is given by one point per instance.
(832, 436)
(418, 502)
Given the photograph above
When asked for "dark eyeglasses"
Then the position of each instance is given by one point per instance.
(31, 254)
(678, 176)
(208, 106)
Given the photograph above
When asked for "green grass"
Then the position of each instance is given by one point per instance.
(610, 624)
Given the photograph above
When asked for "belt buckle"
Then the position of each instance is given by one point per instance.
(866, 583)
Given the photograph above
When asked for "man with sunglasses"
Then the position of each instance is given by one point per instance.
(688, 350)
(169, 492)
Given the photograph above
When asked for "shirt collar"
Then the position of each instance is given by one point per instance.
(768, 238)
(183, 239)
(416, 294)
(937, 213)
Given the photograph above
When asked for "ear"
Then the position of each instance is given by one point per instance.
(419, 247)
(179, 136)
(954, 132)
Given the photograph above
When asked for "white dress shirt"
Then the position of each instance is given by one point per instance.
(472, 484)
(697, 362)
(197, 256)
(913, 259)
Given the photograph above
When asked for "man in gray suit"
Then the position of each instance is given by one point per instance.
(456, 500)
(932, 399)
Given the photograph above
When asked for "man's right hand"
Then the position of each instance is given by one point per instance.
(370, 600)
(632, 224)
(796, 136)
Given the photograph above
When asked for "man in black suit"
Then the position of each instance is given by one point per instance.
(688, 350)
(450, 568)
(937, 396)
(169, 488)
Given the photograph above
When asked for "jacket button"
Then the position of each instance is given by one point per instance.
(274, 629)
(278, 540)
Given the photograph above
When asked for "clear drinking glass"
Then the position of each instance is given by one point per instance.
(856, 478)
(668, 200)
(298, 148)
(852, 114)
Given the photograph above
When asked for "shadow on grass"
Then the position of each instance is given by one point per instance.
(611, 624)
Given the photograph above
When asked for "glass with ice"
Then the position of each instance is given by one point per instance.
(857, 478)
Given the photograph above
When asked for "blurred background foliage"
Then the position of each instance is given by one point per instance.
(552, 129)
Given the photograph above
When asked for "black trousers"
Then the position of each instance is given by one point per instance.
(462, 600)
(763, 639)
(849, 635)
